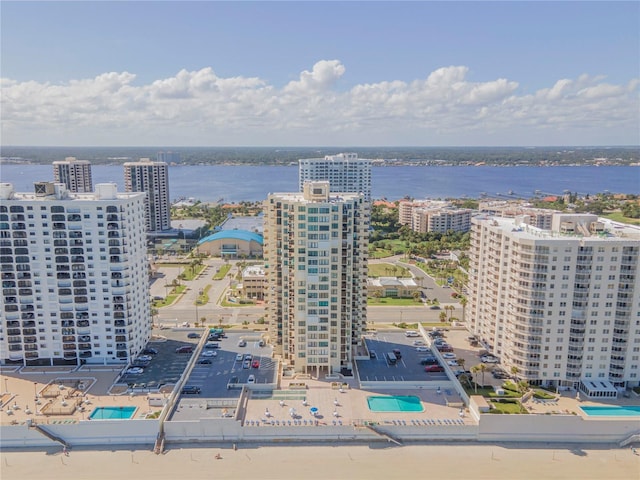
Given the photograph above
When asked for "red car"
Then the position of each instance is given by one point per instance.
(434, 368)
(255, 364)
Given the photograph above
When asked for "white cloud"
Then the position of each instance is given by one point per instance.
(201, 108)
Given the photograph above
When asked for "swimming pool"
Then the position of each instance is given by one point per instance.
(112, 413)
(395, 403)
(612, 411)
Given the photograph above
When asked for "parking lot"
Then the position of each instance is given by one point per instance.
(214, 378)
(406, 369)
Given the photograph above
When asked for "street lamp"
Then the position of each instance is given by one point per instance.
(6, 389)
(35, 391)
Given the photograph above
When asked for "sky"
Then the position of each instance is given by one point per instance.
(362, 73)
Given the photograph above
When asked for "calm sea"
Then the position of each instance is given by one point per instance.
(253, 183)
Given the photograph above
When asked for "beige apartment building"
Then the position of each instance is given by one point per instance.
(562, 306)
(315, 249)
(253, 282)
(433, 216)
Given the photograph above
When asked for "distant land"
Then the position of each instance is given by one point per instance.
(384, 156)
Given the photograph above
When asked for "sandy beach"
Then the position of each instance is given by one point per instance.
(375, 461)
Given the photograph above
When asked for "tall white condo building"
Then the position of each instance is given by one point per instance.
(560, 307)
(345, 172)
(315, 248)
(75, 285)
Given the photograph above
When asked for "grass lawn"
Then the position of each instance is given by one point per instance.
(189, 274)
(224, 269)
(204, 298)
(380, 253)
(508, 408)
(392, 302)
(387, 270)
(618, 217)
(169, 299)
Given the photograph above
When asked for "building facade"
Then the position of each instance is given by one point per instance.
(316, 246)
(562, 306)
(345, 172)
(75, 279)
(433, 216)
(74, 173)
(153, 179)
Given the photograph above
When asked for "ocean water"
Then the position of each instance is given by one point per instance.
(254, 183)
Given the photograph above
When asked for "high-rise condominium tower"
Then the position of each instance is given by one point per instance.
(562, 306)
(344, 171)
(152, 178)
(75, 174)
(316, 265)
(75, 285)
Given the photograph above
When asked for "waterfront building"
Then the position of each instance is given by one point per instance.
(74, 173)
(434, 216)
(345, 172)
(536, 217)
(75, 285)
(562, 306)
(153, 179)
(168, 157)
(316, 248)
(232, 244)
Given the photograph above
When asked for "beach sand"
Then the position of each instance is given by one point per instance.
(339, 461)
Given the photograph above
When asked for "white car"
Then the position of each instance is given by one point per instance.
(135, 371)
(453, 363)
(449, 356)
(209, 353)
(239, 357)
(251, 379)
(418, 342)
(422, 349)
(489, 359)
(145, 358)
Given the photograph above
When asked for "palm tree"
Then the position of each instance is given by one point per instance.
(482, 368)
(474, 370)
(416, 296)
(443, 316)
(450, 308)
(514, 371)
(463, 303)
(461, 362)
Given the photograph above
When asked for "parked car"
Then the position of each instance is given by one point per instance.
(434, 368)
(212, 345)
(184, 349)
(232, 381)
(150, 351)
(429, 361)
(397, 353)
(239, 357)
(449, 356)
(246, 364)
(134, 371)
(453, 363)
(145, 358)
(191, 389)
(193, 335)
(373, 354)
(255, 364)
(242, 343)
(248, 356)
(418, 343)
(445, 348)
(205, 361)
(499, 374)
(209, 353)
(489, 359)
(251, 379)
(422, 349)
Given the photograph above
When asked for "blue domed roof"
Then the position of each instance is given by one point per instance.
(234, 235)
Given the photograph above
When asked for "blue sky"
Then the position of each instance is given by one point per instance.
(320, 73)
